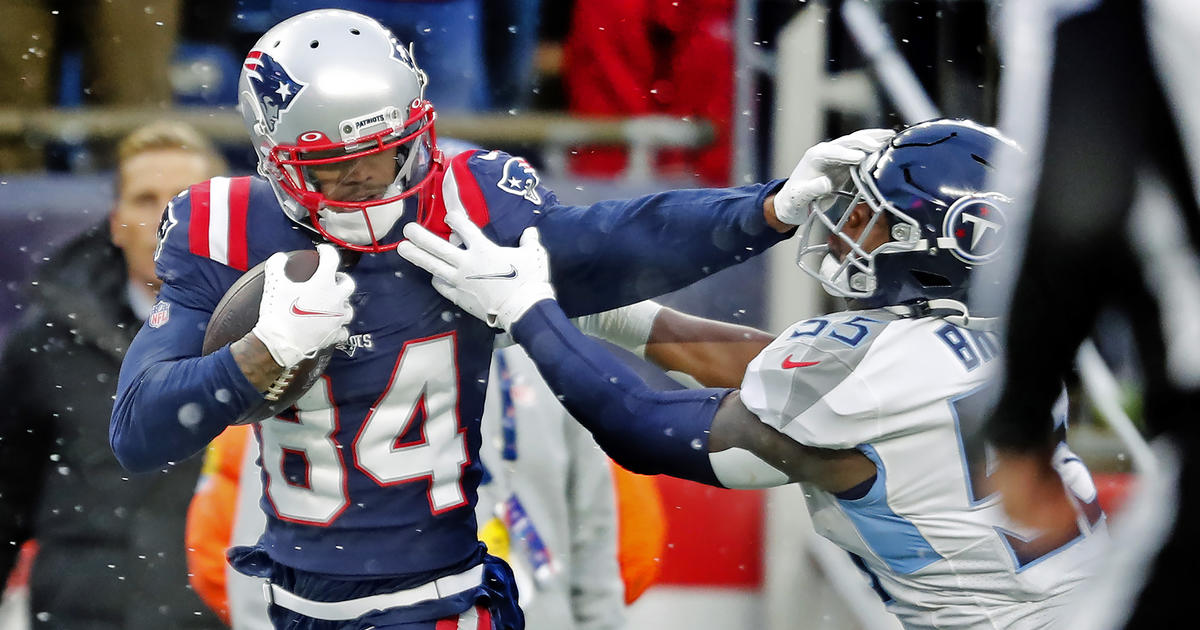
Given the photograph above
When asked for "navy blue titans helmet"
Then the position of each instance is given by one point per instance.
(930, 185)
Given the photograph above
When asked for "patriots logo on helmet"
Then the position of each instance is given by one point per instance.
(975, 228)
(403, 55)
(274, 88)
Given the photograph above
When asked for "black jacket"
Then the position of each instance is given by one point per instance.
(111, 551)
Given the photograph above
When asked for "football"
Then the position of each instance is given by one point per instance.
(237, 313)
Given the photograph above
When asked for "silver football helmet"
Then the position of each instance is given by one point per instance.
(322, 90)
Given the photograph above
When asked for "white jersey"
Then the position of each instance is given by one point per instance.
(907, 393)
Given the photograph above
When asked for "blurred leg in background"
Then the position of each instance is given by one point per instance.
(130, 46)
(26, 54)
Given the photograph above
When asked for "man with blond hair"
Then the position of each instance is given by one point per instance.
(110, 543)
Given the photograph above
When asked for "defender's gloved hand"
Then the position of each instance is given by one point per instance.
(825, 168)
(496, 284)
(297, 319)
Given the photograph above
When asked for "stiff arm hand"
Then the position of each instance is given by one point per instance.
(495, 284)
(824, 169)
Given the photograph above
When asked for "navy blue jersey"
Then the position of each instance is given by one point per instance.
(374, 471)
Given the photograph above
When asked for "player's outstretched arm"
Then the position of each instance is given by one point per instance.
(705, 435)
(643, 429)
(618, 252)
(715, 353)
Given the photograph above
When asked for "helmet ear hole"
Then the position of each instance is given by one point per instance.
(928, 279)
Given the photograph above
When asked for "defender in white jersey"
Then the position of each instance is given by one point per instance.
(876, 411)
(904, 391)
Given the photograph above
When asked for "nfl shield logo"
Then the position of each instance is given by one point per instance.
(159, 314)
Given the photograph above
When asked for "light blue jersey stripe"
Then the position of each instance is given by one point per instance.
(893, 538)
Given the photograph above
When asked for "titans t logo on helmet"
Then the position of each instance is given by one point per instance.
(274, 88)
(975, 227)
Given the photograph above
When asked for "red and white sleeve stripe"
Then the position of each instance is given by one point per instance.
(217, 228)
(461, 191)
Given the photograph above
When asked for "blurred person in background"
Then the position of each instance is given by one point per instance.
(110, 543)
(1105, 95)
(127, 50)
(552, 505)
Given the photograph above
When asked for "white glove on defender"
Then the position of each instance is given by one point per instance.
(496, 284)
(297, 319)
(825, 168)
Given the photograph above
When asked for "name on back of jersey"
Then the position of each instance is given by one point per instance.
(972, 348)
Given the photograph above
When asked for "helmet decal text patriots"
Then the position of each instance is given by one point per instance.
(975, 228)
(273, 87)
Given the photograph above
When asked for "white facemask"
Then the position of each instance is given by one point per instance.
(352, 226)
(853, 282)
(830, 266)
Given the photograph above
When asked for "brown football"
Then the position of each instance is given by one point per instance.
(237, 313)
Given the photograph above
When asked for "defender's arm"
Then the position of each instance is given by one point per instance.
(644, 429)
(614, 253)
(714, 353)
(704, 435)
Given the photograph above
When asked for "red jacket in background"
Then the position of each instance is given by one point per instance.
(631, 57)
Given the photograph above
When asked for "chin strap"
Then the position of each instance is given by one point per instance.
(952, 311)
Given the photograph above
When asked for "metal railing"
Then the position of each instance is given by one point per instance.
(555, 132)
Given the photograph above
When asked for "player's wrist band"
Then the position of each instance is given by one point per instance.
(628, 326)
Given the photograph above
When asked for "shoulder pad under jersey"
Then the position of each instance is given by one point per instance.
(216, 230)
(501, 193)
(794, 376)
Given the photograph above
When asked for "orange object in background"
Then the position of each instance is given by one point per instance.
(210, 517)
(641, 530)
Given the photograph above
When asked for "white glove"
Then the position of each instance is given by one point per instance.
(825, 168)
(496, 284)
(297, 319)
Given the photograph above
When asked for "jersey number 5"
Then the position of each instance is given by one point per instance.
(306, 468)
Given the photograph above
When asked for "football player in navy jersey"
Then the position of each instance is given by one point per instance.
(875, 410)
(370, 479)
